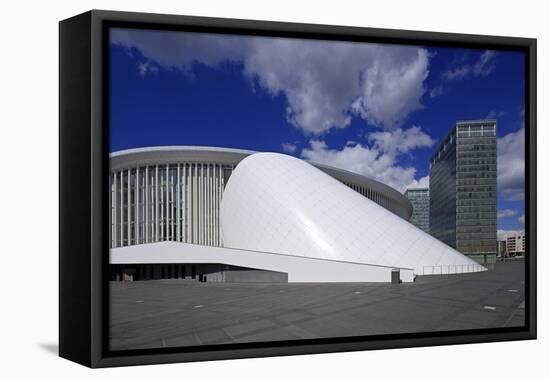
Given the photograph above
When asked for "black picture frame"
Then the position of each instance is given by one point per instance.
(84, 163)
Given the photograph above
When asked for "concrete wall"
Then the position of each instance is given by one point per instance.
(255, 276)
(299, 269)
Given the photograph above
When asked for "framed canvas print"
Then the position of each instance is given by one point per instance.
(234, 188)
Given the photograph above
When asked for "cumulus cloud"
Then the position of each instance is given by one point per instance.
(521, 219)
(422, 183)
(324, 83)
(506, 213)
(485, 65)
(146, 68)
(378, 161)
(494, 114)
(437, 91)
(511, 165)
(400, 140)
(179, 51)
(392, 86)
(503, 234)
(482, 67)
(457, 73)
(289, 148)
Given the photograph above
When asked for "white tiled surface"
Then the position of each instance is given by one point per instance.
(277, 203)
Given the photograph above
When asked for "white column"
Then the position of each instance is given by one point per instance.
(121, 208)
(189, 206)
(172, 215)
(147, 194)
(220, 196)
(204, 204)
(212, 205)
(207, 211)
(218, 182)
(192, 203)
(162, 215)
(152, 207)
(200, 212)
(220, 193)
(196, 175)
(211, 196)
(207, 205)
(214, 220)
(213, 191)
(185, 237)
(156, 238)
(167, 216)
(138, 207)
(178, 204)
(128, 197)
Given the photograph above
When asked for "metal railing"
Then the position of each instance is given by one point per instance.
(452, 269)
(511, 258)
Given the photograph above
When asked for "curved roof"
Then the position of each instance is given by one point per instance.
(134, 157)
(281, 204)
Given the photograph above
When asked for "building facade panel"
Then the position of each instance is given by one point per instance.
(463, 174)
(420, 200)
(443, 192)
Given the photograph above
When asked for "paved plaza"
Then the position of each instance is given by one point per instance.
(171, 313)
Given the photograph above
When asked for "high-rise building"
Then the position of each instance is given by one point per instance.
(420, 200)
(463, 189)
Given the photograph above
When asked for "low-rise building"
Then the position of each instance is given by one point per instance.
(515, 245)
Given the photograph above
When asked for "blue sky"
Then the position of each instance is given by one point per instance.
(378, 110)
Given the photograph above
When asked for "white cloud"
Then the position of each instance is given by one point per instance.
(437, 91)
(422, 183)
(503, 234)
(494, 114)
(457, 73)
(521, 219)
(324, 83)
(378, 161)
(288, 147)
(178, 51)
(485, 65)
(506, 213)
(392, 87)
(145, 68)
(511, 165)
(482, 67)
(400, 141)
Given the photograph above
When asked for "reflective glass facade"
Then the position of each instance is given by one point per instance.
(463, 189)
(420, 200)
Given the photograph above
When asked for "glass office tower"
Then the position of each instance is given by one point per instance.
(420, 200)
(463, 190)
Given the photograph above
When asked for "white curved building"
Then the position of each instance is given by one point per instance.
(280, 204)
(222, 214)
